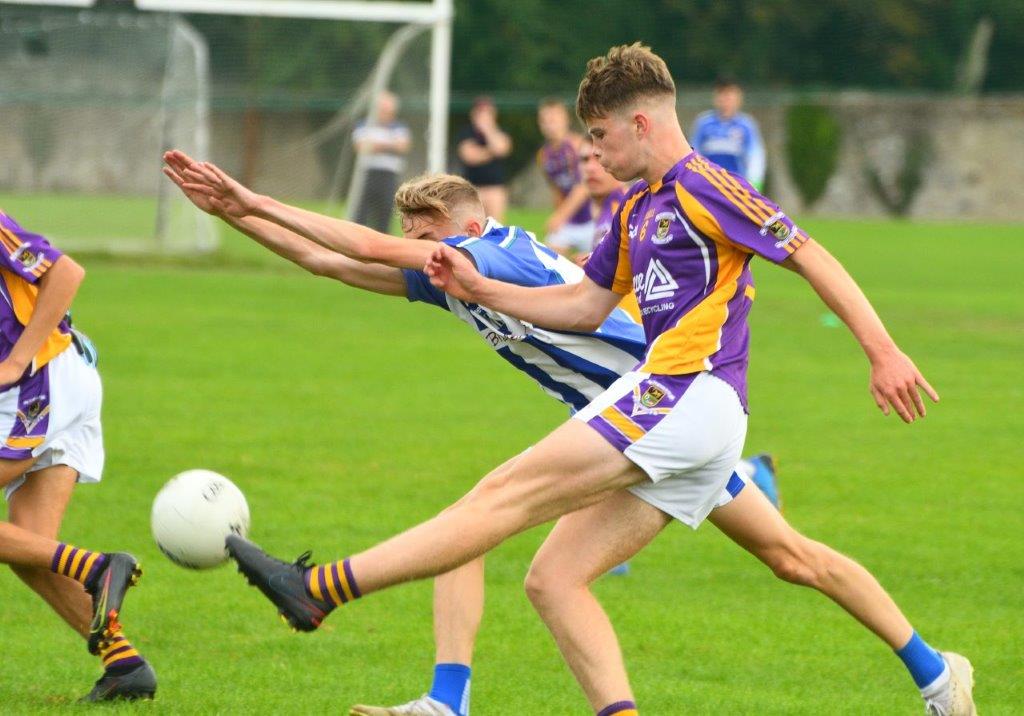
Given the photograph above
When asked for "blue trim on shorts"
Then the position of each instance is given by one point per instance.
(735, 484)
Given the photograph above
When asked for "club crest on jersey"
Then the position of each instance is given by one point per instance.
(664, 222)
(779, 229)
(648, 401)
(33, 412)
(28, 258)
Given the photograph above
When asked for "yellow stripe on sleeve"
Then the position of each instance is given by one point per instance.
(758, 206)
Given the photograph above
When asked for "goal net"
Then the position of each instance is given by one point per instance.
(327, 113)
(90, 99)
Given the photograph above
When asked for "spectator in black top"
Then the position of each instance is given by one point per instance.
(482, 147)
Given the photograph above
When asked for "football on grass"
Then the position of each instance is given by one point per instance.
(193, 513)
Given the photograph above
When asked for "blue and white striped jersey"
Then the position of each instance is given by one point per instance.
(572, 367)
(734, 144)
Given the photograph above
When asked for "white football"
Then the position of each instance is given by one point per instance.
(193, 513)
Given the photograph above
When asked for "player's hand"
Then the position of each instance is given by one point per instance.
(177, 162)
(225, 193)
(895, 381)
(453, 273)
(581, 259)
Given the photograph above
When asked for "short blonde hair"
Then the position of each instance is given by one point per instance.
(436, 194)
(627, 73)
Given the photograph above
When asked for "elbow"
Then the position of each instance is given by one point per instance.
(73, 271)
(588, 323)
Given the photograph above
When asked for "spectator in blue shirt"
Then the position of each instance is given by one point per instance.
(729, 137)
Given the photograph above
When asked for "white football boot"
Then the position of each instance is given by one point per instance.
(423, 706)
(954, 697)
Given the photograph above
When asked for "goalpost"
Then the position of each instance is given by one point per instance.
(93, 92)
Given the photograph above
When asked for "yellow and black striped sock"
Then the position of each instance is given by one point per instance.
(79, 564)
(119, 655)
(333, 583)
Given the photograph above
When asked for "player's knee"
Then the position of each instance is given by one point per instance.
(804, 562)
(790, 563)
(544, 586)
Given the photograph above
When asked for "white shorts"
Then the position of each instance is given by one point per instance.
(575, 237)
(54, 416)
(685, 431)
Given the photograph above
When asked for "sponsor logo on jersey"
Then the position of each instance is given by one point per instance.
(656, 283)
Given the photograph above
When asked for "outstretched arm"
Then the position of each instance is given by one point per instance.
(288, 245)
(894, 377)
(230, 198)
(569, 307)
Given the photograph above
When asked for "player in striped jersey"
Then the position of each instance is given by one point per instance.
(50, 397)
(573, 367)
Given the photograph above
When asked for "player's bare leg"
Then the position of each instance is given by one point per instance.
(458, 609)
(571, 468)
(36, 511)
(38, 506)
(583, 546)
(752, 522)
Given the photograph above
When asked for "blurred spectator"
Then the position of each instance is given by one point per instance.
(383, 144)
(729, 137)
(569, 228)
(482, 147)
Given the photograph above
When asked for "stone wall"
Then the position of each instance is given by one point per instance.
(974, 147)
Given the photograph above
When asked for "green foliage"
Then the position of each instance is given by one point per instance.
(813, 138)
(900, 197)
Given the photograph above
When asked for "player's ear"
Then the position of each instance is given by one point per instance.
(641, 124)
(473, 226)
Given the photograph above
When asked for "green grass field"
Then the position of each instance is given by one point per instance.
(346, 417)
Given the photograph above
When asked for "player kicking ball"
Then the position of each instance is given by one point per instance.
(50, 396)
(571, 367)
(682, 242)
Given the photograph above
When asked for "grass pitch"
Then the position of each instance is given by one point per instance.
(346, 417)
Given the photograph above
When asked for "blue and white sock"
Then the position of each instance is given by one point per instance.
(451, 687)
(925, 664)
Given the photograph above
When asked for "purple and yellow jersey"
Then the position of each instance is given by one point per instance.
(605, 212)
(24, 258)
(561, 165)
(683, 246)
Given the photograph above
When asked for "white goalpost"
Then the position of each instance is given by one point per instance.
(94, 91)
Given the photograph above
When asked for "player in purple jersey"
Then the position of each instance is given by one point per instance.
(668, 432)
(51, 436)
(569, 227)
(682, 242)
(432, 208)
(607, 194)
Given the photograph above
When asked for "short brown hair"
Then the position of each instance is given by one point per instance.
(435, 194)
(625, 74)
